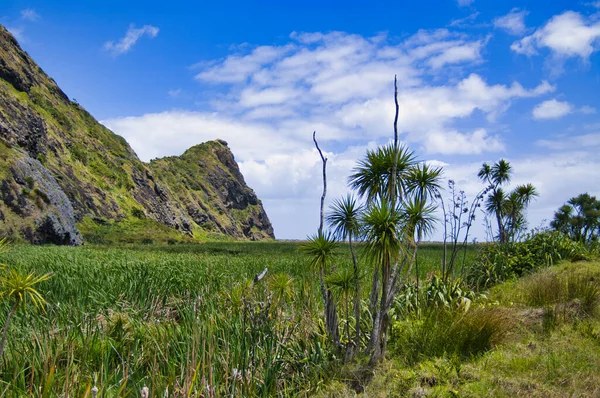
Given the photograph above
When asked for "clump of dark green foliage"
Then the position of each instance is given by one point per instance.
(499, 262)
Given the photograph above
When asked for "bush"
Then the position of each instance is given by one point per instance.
(138, 213)
(434, 293)
(498, 262)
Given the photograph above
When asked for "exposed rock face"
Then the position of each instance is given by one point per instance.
(211, 188)
(34, 194)
(58, 165)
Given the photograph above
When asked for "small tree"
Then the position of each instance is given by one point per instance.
(507, 207)
(344, 218)
(579, 218)
(399, 192)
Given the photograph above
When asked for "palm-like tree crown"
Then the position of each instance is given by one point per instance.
(423, 181)
(344, 217)
(22, 287)
(380, 224)
(419, 218)
(371, 178)
(498, 174)
(320, 248)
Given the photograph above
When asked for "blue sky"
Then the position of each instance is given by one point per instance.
(479, 81)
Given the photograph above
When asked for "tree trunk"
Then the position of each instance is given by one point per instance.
(6, 325)
(374, 296)
(324, 159)
(332, 320)
(378, 332)
(501, 234)
(330, 313)
(356, 295)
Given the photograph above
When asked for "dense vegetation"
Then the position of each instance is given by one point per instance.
(325, 316)
(189, 318)
(579, 218)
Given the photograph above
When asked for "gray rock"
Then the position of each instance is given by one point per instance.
(55, 221)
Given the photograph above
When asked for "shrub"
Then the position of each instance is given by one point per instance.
(498, 262)
(434, 293)
(138, 213)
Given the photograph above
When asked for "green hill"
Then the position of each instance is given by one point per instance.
(61, 172)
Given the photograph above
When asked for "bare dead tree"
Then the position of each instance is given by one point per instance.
(395, 164)
(324, 159)
(397, 110)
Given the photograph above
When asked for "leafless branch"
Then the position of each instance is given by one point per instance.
(324, 159)
(397, 110)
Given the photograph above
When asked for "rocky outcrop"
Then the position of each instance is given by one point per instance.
(212, 190)
(59, 166)
(34, 194)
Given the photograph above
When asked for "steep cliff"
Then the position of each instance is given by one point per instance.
(60, 167)
(211, 189)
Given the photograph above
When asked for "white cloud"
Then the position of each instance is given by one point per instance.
(458, 54)
(131, 37)
(587, 110)
(30, 14)
(171, 133)
(465, 3)
(342, 83)
(466, 21)
(587, 141)
(174, 93)
(566, 35)
(237, 68)
(513, 22)
(453, 142)
(551, 109)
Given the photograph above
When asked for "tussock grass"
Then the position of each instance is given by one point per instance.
(549, 288)
(450, 333)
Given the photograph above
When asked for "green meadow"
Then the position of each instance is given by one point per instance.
(184, 317)
(189, 320)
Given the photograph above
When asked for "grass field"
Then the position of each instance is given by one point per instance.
(184, 316)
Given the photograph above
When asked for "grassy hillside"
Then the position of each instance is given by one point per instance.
(211, 188)
(51, 148)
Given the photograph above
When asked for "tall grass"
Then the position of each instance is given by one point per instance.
(442, 332)
(182, 318)
(178, 318)
(550, 288)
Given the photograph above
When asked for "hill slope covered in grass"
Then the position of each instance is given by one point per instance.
(59, 168)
